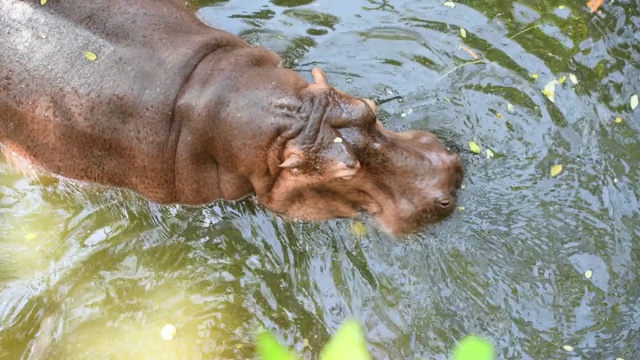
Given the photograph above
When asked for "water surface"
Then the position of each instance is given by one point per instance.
(95, 273)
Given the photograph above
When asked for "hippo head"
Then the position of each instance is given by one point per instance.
(339, 160)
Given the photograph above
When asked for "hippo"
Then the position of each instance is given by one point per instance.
(144, 96)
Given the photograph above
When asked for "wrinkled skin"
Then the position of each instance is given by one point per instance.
(183, 113)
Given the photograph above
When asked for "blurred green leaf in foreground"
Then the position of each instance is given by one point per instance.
(349, 343)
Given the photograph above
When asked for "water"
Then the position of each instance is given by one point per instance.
(92, 273)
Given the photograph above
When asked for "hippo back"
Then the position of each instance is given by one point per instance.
(85, 118)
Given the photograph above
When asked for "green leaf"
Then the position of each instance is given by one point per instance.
(473, 348)
(474, 147)
(463, 32)
(270, 349)
(347, 343)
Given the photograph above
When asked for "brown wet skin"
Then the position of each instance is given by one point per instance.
(183, 113)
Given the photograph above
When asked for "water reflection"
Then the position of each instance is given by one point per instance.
(94, 273)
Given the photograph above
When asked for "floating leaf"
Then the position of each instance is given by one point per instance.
(89, 55)
(556, 170)
(358, 229)
(461, 208)
(473, 348)
(594, 4)
(618, 120)
(471, 52)
(337, 140)
(561, 7)
(463, 32)
(510, 107)
(573, 78)
(490, 153)
(43, 2)
(588, 274)
(568, 348)
(450, 4)
(347, 343)
(500, 116)
(31, 236)
(270, 349)
(562, 79)
(550, 90)
(634, 101)
(534, 76)
(474, 147)
(168, 332)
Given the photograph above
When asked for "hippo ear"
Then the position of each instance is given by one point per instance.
(292, 161)
(319, 77)
(293, 157)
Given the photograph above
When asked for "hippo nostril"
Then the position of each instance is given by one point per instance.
(445, 201)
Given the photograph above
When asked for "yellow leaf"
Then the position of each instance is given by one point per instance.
(337, 140)
(89, 55)
(561, 7)
(634, 101)
(550, 90)
(534, 76)
(474, 147)
(30, 236)
(461, 208)
(43, 2)
(556, 169)
(588, 274)
(358, 229)
(618, 120)
(500, 116)
(463, 32)
(562, 79)
(568, 348)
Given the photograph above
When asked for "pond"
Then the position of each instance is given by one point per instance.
(545, 267)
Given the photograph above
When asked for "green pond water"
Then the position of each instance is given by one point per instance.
(533, 263)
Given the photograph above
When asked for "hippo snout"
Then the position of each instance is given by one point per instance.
(427, 178)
